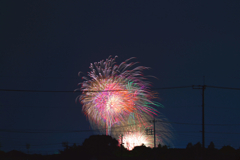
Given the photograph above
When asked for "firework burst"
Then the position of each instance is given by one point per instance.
(112, 92)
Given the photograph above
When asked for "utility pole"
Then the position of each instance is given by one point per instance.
(154, 133)
(203, 130)
(203, 87)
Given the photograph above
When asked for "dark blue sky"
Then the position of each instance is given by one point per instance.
(44, 44)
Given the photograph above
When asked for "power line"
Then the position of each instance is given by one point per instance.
(223, 132)
(22, 90)
(160, 88)
(61, 107)
(16, 106)
(197, 123)
(77, 131)
(31, 77)
(42, 131)
(230, 88)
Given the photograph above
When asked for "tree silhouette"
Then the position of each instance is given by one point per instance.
(211, 145)
(197, 146)
(65, 145)
(165, 147)
(141, 151)
(100, 145)
(227, 149)
(189, 146)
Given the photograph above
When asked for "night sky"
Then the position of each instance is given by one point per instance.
(44, 44)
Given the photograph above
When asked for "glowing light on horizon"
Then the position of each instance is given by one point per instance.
(133, 139)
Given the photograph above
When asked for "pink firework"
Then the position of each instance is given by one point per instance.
(111, 93)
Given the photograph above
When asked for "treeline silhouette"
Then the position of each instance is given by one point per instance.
(103, 147)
